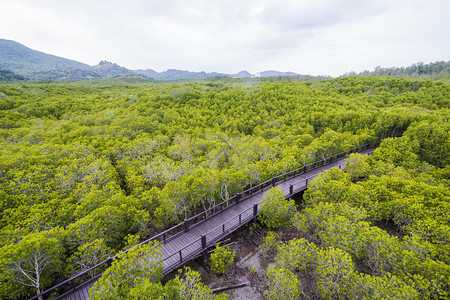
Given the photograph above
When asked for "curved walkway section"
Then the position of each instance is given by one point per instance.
(197, 238)
(191, 238)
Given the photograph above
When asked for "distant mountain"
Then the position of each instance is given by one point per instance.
(275, 73)
(37, 65)
(25, 61)
(173, 74)
(243, 74)
(149, 73)
(103, 70)
(112, 70)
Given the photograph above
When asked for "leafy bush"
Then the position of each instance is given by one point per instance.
(333, 271)
(276, 211)
(357, 166)
(297, 255)
(88, 255)
(270, 241)
(185, 286)
(364, 286)
(221, 259)
(128, 270)
(283, 284)
(316, 217)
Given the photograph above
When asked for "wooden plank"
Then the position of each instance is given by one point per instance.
(184, 239)
(80, 294)
(170, 247)
(77, 294)
(180, 244)
(86, 291)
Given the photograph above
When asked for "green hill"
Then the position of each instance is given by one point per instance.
(25, 61)
(104, 70)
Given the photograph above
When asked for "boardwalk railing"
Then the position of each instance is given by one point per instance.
(200, 244)
(204, 242)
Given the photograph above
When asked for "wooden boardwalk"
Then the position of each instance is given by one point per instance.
(188, 245)
(193, 240)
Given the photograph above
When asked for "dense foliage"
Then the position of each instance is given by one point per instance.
(344, 247)
(84, 169)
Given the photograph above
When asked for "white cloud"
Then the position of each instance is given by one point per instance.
(306, 36)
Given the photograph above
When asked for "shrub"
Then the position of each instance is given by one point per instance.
(333, 270)
(270, 241)
(357, 166)
(364, 286)
(221, 259)
(128, 270)
(276, 211)
(283, 284)
(298, 254)
(186, 285)
(316, 218)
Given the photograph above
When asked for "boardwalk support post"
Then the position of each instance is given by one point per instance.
(273, 181)
(203, 242)
(255, 211)
(204, 252)
(291, 189)
(186, 225)
(109, 261)
(238, 197)
(306, 182)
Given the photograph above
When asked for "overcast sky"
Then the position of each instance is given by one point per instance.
(303, 36)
